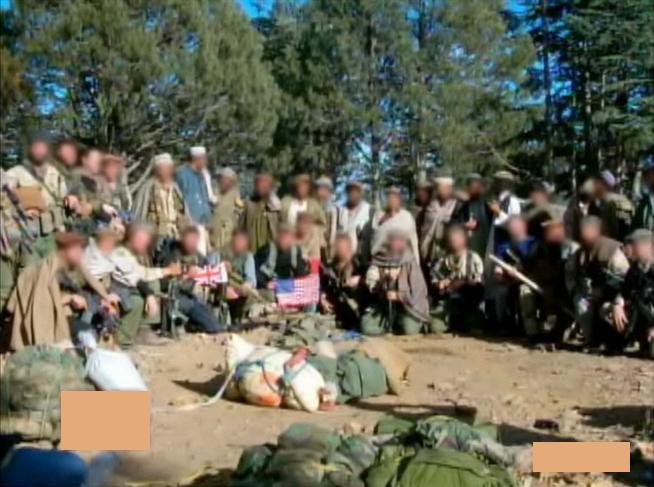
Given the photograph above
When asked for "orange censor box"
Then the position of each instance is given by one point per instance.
(105, 420)
(581, 457)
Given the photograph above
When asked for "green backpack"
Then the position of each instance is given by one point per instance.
(440, 467)
(360, 377)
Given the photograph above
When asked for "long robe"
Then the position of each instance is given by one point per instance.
(260, 219)
(225, 217)
(38, 315)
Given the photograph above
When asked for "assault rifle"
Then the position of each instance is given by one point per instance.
(21, 218)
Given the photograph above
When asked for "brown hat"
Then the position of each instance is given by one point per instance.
(69, 239)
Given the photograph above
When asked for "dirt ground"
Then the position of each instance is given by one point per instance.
(589, 397)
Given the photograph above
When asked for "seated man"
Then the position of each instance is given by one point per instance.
(341, 283)
(281, 259)
(189, 299)
(132, 273)
(632, 312)
(43, 304)
(242, 274)
(400, 301)
(593, 273)
(458, 277)
(512, 303)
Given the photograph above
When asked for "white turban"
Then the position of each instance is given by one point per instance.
(198, 151)
(164, 159)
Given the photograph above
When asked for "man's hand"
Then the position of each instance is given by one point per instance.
(444, 284)
(471, 224)
(271, 285)
(494, 207)
(151, 305)
(353, 281)
(326, 305)
(174, 269)
(619, 317)
(392, 295)
(228, 265)
(72, 203)
(77, 302)
(113, 299)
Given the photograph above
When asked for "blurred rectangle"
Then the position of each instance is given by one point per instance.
(105, 420)
(581, 457)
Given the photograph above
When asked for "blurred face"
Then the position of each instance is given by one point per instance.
(354, 196)
(73, 255)
(517, 228)
(457, 240)
(67, 154)
(539, 197)
(423, 195)
(554, 234)
(643, 250)
(39, 151)
(302, 189)
(285, 240)
(140, 242)
(200, 162)
(397, 245)
(92, 161)
(225, 183)
(111, 171)
(263, 186)
(323, 193)
(589, 234)
(106, 243)
(394, 202)
(190, 242)
(475, 189)
(343, 249)
(240, 243)
(164, 172)
(444, 191)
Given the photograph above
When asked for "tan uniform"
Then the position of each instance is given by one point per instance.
(20, 177)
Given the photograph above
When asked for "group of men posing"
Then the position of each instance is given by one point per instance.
(78, 251)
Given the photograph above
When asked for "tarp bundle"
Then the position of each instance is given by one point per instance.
(309, 456)
(436, 451)
(31, 385)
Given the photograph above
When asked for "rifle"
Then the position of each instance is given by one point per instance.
(237, 282)
(172, 314)
(511, 270)
(333, 281)
(21, 218)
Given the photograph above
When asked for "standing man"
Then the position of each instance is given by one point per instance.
(325, 196)
(505, 204)
(613, 209)
(261, 214)
(192, 184)
(160, 202)
(424, 215)
(67, 158)
(475, 214)
(227, 212)
(443, 207)
(394, 218)
(300, 201)
(356, 215)
(112, 190)
(42, 190)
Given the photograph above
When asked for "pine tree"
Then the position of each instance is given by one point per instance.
(146, 76)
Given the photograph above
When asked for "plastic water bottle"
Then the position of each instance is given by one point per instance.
(101, 468)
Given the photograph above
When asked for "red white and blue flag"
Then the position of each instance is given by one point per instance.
(300, 291)
(210, 275)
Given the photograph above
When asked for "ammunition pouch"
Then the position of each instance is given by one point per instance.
(51, 220)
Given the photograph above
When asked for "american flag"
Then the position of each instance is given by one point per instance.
(210, 275)
(300, 291)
